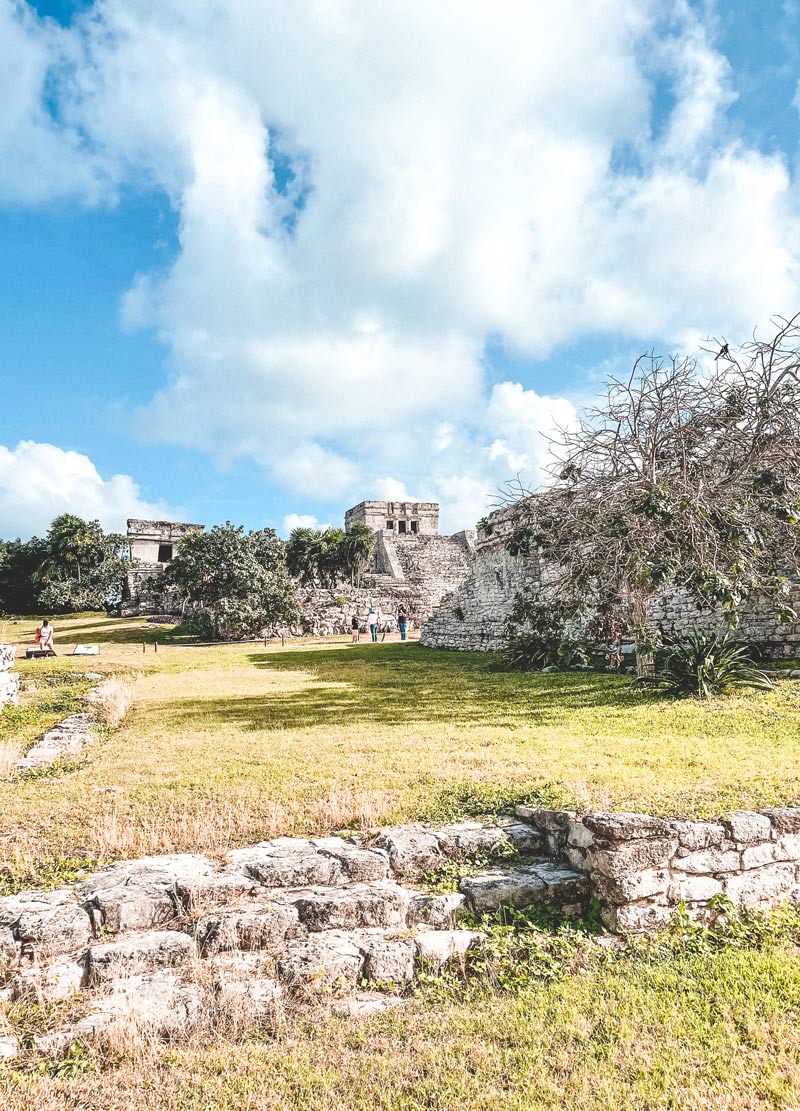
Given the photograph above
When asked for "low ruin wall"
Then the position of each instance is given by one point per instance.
(642, 870)
(473, 617)
(9, 680)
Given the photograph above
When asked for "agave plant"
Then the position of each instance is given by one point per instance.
(705, 664)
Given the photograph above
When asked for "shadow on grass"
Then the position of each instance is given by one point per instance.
(407, 685)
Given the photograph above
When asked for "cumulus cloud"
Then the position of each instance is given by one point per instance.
(368, 191)
(301, 520)
(40, 481)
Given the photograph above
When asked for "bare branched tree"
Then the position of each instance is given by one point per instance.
(686, 474)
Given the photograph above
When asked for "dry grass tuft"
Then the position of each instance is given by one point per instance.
(112, 699)
(9, 754)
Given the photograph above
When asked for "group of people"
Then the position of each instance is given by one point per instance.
(375, 622)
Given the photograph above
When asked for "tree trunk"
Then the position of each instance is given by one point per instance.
(645, 659)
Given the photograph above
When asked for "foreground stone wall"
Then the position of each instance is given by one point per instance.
(473, 617)
(643, 869)
(9, 680)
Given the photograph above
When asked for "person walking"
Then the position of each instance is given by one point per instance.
(402, 621)
(372, 621)
(356, 627)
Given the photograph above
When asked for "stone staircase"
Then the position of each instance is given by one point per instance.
(162, 939)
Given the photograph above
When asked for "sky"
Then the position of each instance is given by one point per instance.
(262, 260)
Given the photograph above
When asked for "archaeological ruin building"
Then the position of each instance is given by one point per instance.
(413, 566)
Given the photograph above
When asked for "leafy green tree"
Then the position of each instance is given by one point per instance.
(324, 558)
(233, 583)
(83, 566)
(21, 568)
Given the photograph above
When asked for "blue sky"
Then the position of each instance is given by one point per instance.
(268, 263)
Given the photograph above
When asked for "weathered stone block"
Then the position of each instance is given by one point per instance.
(636, 917)
(436, 947)
(294, 865)
(387, 961)
(61, 929)
(411, 851)
(625, 827)
(632, 856)
(470, 839)
(579, 835)
(264, 927)
(746, 827)
(708, 862)
(357, 865)
(353, 907)
(437, 910)
(693, 889)
(204, 893)
(765, 886)
(60, 979)
(784, 819)
(697, 835)
(543, 882)
(550, 821)
(329, 962)
(636, 885)
(138, 953)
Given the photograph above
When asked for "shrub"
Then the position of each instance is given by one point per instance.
(705, 664)
(112, 699)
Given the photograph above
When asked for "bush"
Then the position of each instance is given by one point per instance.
(706, 664)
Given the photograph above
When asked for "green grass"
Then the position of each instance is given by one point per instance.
(238, 742)
(230, 744)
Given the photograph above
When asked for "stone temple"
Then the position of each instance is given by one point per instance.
(413, 566)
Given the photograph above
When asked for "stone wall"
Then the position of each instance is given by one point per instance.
(473, 618)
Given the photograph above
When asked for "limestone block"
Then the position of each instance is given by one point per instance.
(765, 886)
(471, 839)
(579, 836)
(625, 827)
(138, 952)
(540, 883)
(550, 821)
(139, 895)
(201, 894)
(708, 862)
(697, 835)
(632, 856)
(436, 947)
(9, 1046)
(411, 851)
(522, 836)
(693, 889)
(387, 961)
(634, 886)
(263, 927)
(746, 827)
(440, 911)
(289, 862)
(358, 865)
(353, 907)
(60, 929)
(9, 688)
(61, 979)
(7, 654)
(785, 819)
(253, 997)
(637, 917)
(328, 962)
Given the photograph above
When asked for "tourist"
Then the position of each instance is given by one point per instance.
(402, 621)
(44, 637)
(356, 627)
(372, 621)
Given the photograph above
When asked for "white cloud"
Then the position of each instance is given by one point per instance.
(459, 174)
(40, 481)
(301, 520)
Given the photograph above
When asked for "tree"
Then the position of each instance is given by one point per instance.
(235, 583)
(21, 566)
(83, 566)
(323, 558)
(683, 476)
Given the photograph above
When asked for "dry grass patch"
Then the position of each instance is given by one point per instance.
(112, 699)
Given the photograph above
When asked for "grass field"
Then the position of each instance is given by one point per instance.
(234, 743)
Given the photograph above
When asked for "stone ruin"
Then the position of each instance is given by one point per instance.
(474, 616)
(163, 940)
(413, 566)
